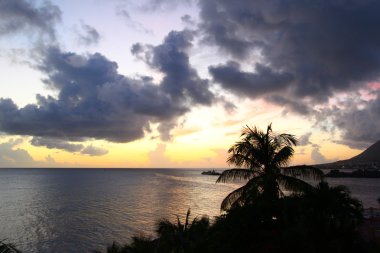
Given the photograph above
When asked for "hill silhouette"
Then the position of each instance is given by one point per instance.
(370, 155)
(368, 159)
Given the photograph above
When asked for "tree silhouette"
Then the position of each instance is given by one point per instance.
(332, 207)
(181, 238)
(261, 158)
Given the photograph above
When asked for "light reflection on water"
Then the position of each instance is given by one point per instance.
(45, 210)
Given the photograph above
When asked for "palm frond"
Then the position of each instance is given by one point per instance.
(283, 156)
(240, 160)
(293, 184)
(164, 226)
(245, 154)
(243, 194)
(231, 198)
(187, 219)
(255, 137)
(287, 139)
(235, 175)
(304, 171)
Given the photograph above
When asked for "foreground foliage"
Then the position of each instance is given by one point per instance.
(323, 219)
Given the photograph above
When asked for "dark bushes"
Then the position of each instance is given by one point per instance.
(323, 219)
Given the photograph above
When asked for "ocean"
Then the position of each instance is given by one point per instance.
(81, 210)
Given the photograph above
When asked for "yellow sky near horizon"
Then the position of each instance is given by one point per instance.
(190, 149)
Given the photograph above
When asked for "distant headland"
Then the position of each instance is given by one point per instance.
(364, 165)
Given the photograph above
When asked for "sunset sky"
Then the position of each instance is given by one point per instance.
(171, 83)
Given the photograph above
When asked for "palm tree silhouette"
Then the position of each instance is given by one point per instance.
(261, 158)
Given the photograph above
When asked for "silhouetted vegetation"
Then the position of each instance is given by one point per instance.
(178, 237)
(259, 217)
(324, 219)
(261, 158)
(356, 173)
(8, 248)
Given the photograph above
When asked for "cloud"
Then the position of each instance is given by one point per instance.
(88, 35)
(253, 84)
(94, 101)
(188, 20)
(50, 160)
(10, 156)
(123, 12)
(317, 156)
(304, 54)
(310, 50)
(56, 143)
(304, 140)
(21, 15)
(295, 105)
(301, 152)
(157, 157)
(181, 81)
(164, 5)
(94, 151)
(359, 121)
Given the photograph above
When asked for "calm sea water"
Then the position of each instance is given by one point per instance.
(62, 210)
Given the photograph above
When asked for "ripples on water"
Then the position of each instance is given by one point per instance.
(45, 210)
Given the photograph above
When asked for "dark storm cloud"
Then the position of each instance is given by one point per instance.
(312, 51)
(56, 143)
(88, 35)
(253, 84)
(299, 106)
(95, 101)
(181, 81)
(325, 46)
(21, 15)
